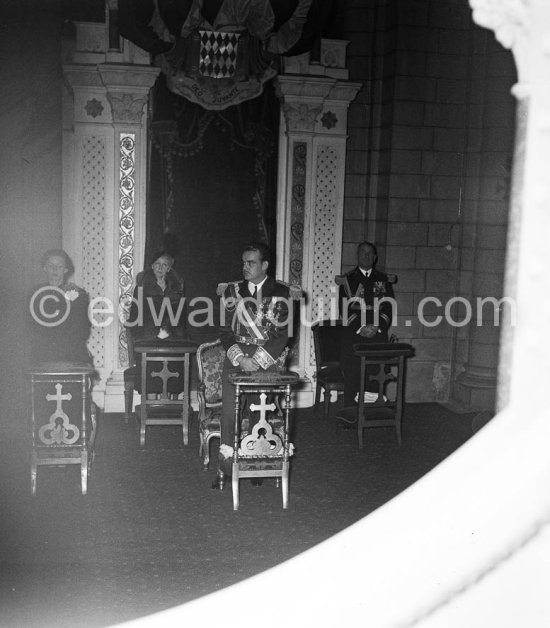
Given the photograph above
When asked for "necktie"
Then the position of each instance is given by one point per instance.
(255, 293)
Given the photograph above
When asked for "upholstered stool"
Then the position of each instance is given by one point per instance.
(263, 451)
(63, 418)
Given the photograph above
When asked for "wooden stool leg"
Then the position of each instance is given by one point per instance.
(317, 396)
(142, 418)
(236, 438)
(399, 399)
(326, 402)
(128, 398)
(84, 472)
(235, 485)
(186, 400)
(185, 427)
(142, 427)
(286, 465)
(34, 469)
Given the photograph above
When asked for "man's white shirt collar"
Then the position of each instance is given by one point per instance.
(366, 273)
(252, 285)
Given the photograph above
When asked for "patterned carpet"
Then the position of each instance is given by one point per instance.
(151, 533)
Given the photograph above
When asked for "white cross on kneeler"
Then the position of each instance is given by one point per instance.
(261, 441)
(59, 399)
(165, 374)
(262, 406)
(59, 432)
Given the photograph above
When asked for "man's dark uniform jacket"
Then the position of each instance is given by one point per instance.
(257, 328)
(361, 293)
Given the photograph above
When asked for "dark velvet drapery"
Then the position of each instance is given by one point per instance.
(212, 185)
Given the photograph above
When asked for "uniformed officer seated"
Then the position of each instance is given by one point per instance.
(363, 320)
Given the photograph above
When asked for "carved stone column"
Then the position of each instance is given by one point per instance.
(312, 152)
(104, 168)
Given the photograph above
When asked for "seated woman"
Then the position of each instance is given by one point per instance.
(158, 303)
(59, 325)
(157, 313)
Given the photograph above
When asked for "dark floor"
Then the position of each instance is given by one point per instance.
(151, 533)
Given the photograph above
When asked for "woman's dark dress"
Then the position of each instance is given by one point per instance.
(59, 337)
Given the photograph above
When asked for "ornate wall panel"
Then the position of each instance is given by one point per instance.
(126, 235)
(324, 229)
(93, 233)
(297, 212)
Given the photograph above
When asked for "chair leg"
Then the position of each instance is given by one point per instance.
(206, 449)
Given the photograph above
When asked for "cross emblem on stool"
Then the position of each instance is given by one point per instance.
(165, 373)
(265, 452)
(262, 406)
(262, 441)
(57, 431)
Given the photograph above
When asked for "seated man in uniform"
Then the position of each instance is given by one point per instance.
(363, 319)
(256, 334)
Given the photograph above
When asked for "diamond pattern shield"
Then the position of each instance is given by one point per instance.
(218, 54)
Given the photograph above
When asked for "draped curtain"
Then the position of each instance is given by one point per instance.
(212, 185)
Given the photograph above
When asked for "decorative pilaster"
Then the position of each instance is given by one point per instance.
(105, 152)
(312, 148)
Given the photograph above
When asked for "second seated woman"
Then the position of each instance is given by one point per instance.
(158, 304)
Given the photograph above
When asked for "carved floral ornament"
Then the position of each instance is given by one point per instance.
(301, 117)
(329, 120)
(127, 107)
(93, 108)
